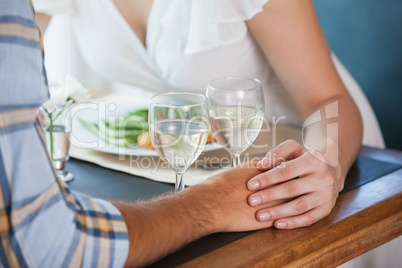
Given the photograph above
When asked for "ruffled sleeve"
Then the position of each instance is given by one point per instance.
(53, 7)
(205, 24)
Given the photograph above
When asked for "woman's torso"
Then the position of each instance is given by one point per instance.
(188, 43)
(175, 57)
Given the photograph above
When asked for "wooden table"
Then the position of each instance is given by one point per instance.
(362, 219)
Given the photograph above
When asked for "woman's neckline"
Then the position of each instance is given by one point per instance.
(128, 25)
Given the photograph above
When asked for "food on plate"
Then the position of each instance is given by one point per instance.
(126, 130)
(144, 140)
(210, 138)
(122, 130)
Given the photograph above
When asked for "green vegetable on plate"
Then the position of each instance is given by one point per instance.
(120, 131)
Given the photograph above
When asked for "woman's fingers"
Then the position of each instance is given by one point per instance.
(306, 181)
(287, 150)
(303, 220)
(282, 191)
(284, 172)
(289, 209)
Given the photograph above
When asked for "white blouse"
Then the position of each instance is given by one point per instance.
(188, 43)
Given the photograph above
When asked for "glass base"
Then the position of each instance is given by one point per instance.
(65, 176)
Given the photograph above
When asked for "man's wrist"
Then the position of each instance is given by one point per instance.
(175, 217)
(201, 206)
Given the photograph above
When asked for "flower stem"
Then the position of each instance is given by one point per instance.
(62, 110)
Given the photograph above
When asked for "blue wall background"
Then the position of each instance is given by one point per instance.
(366, 35)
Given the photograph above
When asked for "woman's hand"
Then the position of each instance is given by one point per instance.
(298, 174)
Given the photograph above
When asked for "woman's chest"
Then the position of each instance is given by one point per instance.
(171, 34)
(112, 47)
(136, 14)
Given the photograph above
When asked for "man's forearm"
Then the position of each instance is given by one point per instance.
(159, 227)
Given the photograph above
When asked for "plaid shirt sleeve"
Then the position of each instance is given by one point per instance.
(42, 223)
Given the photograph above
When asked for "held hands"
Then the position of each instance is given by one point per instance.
(291, 187)
(298, 175)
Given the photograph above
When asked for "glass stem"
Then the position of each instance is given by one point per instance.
(179, 181)
(51, 135)
(235, 160)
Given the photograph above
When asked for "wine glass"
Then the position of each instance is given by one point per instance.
(178, 127)
(236, 113)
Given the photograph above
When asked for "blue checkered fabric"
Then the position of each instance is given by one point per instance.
(42, 223)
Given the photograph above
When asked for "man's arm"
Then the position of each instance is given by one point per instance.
(43, 224)
(46, 225)
(159, 227)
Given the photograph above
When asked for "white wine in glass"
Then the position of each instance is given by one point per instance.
(178, 126)
(236, 113)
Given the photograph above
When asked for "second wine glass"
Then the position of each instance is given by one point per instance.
(236, 113)
(178, 126)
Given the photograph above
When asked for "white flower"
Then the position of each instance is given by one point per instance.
(75, 90)
(57, 97)
(69, 89)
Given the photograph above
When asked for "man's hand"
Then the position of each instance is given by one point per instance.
(162, 225)
(297, 174)
(227, 196)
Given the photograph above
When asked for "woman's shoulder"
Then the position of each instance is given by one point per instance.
(226, 11)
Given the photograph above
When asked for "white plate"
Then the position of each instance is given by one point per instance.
(107, 108)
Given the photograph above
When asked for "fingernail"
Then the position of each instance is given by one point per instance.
(253, 185)
(281, 225)
(255, 201)
(264, 216)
